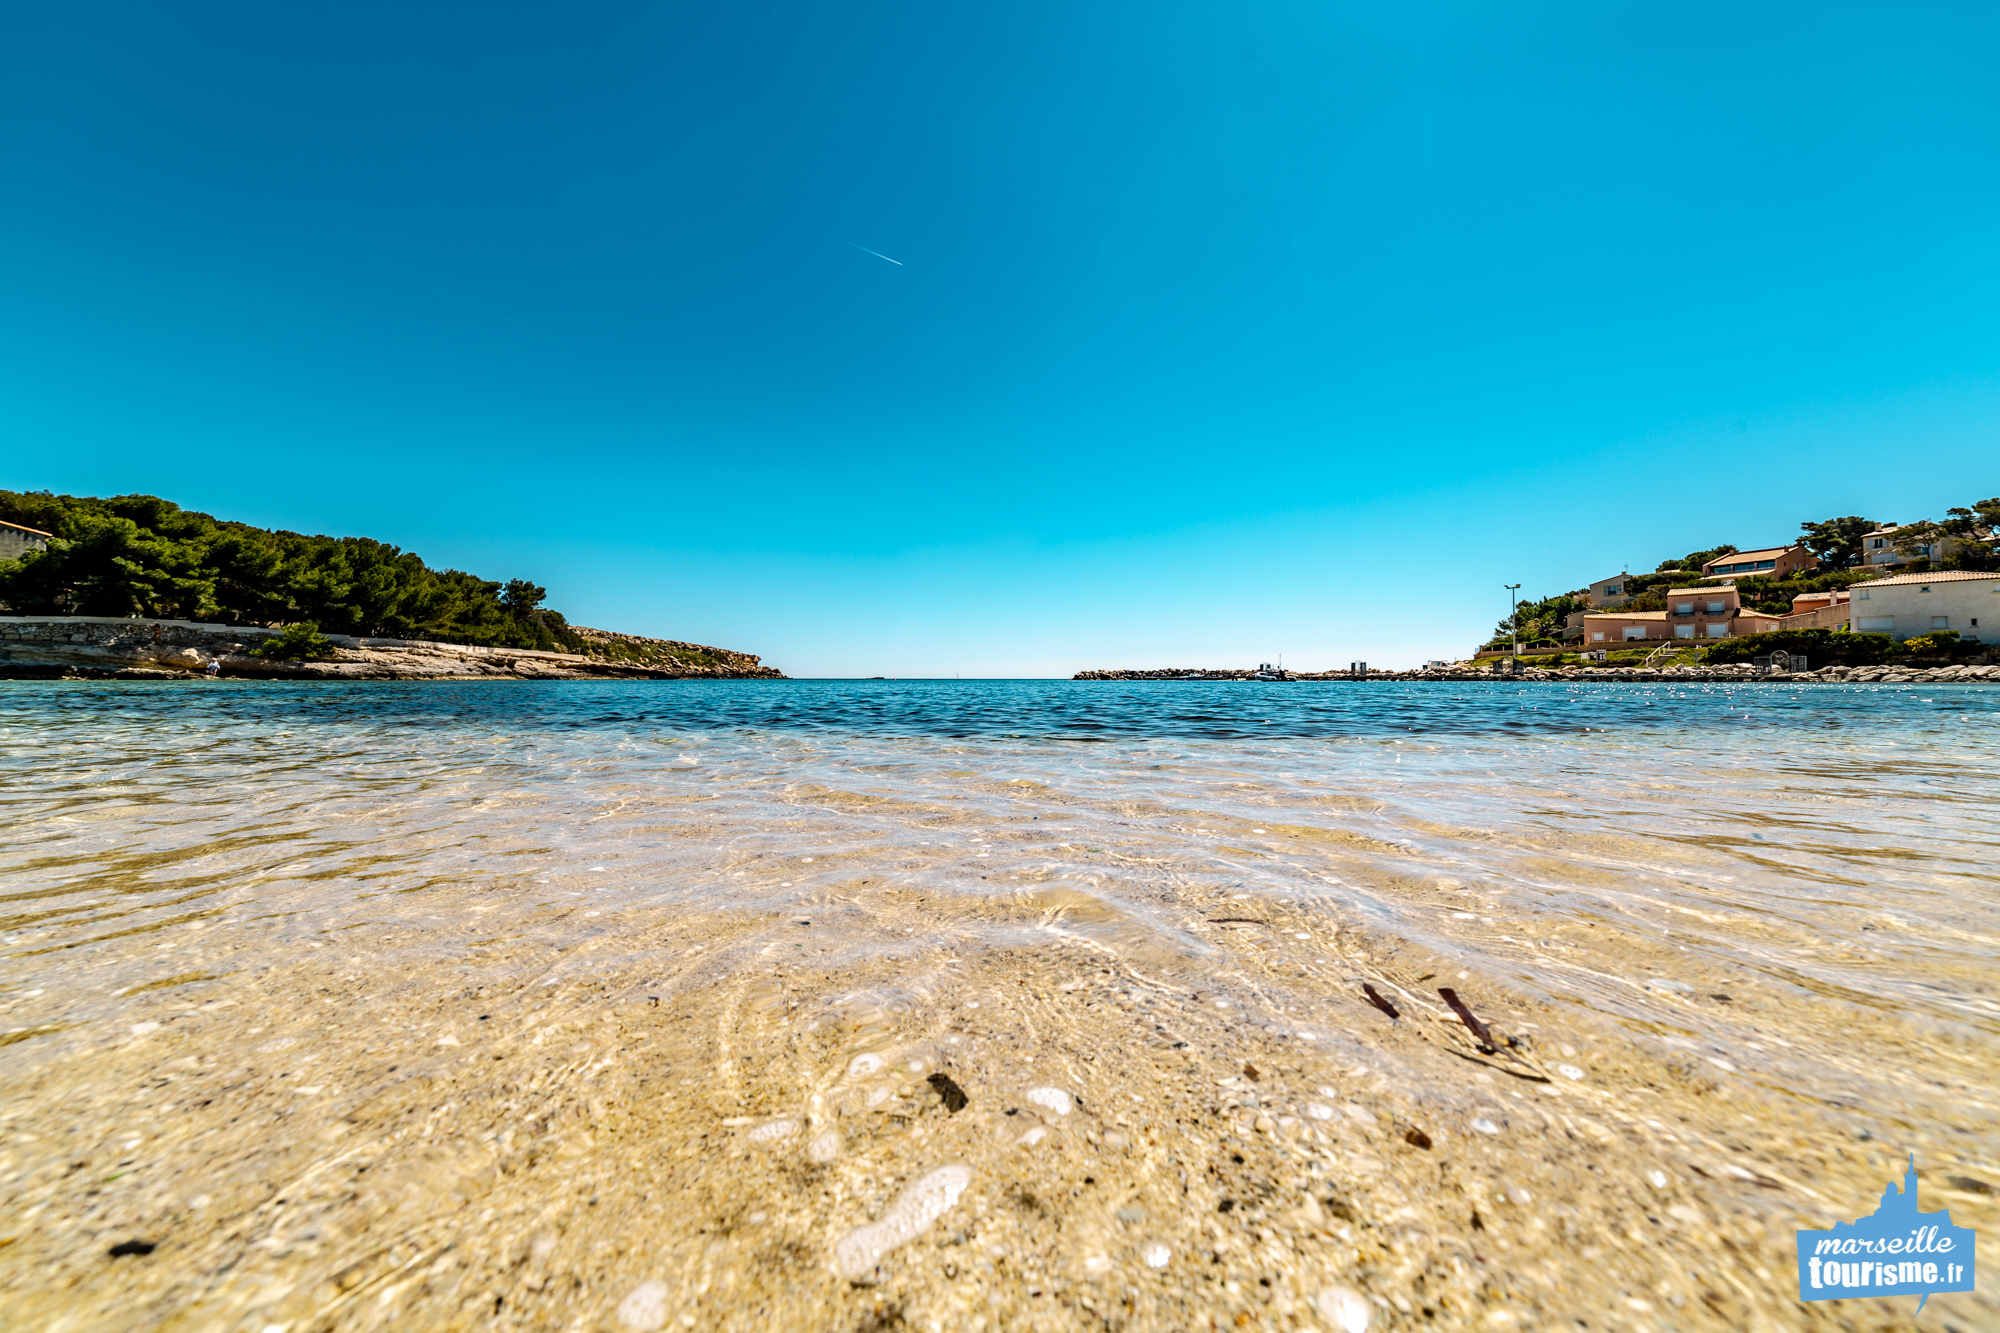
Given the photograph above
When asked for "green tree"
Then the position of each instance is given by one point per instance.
(1836, 542)
(1694, 560)
(140, 554)
(103, 565)
(522, 598)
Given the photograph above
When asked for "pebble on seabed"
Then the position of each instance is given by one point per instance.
(772, 1130)
(1345, 1308)
(861, 1066)
(1155, 1255)
(646, 1308)
(1485, 1126)
(825, 1145)
(1051, 1099)
(921, 1203)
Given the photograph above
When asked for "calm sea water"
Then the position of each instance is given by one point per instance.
(1836, 843)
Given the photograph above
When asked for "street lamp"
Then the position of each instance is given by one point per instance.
(1513, 619)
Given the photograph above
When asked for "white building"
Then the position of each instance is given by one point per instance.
(1878, 549)
(1906, 605)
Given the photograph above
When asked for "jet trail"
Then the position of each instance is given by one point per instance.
(877, 253)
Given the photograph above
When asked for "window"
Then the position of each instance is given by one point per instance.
(1684, 631)
(1717, 608)
(1876, 624)
(1861, 596)
(1940, 622)
(1874, 543)
(1634, 632)
(1717, 631)
(1923, 550)
(1613, 589)
(1597, 636)
(1683, 608)
(1767, 564)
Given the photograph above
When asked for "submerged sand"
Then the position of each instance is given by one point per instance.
(427, 1020)
(685, 1138)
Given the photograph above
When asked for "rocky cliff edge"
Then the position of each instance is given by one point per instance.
(53, 646)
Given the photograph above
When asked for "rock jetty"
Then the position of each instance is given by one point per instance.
(79, 647)
(1970, 673)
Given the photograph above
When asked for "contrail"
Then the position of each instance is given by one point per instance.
(877, 253)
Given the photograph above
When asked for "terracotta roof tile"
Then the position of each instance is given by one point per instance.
(1934, 576)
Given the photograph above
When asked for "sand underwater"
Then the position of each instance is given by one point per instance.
(986, 1005)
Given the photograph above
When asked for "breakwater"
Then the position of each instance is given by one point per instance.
(83, 647)
(1970, 673)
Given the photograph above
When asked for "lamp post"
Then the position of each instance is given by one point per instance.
(1513, 621)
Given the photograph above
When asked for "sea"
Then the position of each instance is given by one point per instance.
(1786, 892)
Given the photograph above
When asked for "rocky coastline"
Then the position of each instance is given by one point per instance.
(86, 648)
(1965, 673)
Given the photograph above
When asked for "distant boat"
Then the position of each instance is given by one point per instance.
(1192, 675)
(1265, 671)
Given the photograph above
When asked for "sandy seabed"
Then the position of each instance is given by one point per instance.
(607, 1008)
(701, 1131)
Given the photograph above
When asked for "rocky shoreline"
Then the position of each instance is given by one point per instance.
(1963, 673)
(86, 648)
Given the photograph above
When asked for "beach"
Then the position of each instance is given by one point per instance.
(986, 1005)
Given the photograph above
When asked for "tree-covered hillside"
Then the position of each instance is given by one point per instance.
(140, 555)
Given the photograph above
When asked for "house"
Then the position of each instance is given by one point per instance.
(1906, 605)
(1708, 612)
(1607, 593)
(1624, 626)
(16, 541)
(1773, 562)
(1878, 548)
(1817, 610)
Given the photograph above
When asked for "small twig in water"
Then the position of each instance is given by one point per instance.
(1375, 998)
(1470, 1019)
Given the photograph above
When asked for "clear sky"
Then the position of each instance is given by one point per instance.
(1217, 332)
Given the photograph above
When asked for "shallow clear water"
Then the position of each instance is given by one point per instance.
(663, 975)
(1837, 840)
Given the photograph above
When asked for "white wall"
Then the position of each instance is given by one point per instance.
(1915, 606)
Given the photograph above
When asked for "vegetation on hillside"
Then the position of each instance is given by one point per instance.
(299, 642)
(139, 555)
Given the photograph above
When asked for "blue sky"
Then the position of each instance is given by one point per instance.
(1219, 332)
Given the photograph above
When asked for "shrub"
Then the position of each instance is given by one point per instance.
(301, 642)
(1937, 641)
(1822, 647)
